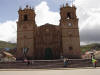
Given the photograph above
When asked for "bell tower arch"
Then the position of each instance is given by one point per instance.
(70, 32)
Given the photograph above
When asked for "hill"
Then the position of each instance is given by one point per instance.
(4, 44)
(89, 47)
(84, 48)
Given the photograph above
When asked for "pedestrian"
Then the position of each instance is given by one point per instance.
(32, 62)
(25, 61)
(65, 62)
(94, 62)
(28, 63)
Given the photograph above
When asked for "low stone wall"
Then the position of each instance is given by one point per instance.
(40, 64)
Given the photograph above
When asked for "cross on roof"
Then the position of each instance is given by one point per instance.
(70, 2)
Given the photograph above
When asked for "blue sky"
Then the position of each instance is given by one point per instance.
(9, 8)
(47, 11)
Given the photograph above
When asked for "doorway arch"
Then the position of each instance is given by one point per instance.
(48, 54)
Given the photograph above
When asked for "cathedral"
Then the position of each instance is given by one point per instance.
(48, 42)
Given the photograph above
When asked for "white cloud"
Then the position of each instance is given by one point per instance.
(8, 31)
(44, 15)
(88, 12)
(88, 3)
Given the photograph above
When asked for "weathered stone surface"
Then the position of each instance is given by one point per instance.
(48, 41)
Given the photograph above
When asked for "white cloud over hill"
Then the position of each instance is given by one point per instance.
(8, 31)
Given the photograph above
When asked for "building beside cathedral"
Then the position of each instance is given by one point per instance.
(48, 41)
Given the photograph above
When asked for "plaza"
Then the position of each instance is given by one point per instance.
(62, 71)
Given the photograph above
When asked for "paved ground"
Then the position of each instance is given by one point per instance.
(60, 71)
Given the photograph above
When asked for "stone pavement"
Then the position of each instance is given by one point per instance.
(61, 71)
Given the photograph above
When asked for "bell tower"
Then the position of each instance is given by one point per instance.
(25, 33)
(70, 32)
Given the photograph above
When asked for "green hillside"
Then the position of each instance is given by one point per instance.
(83, 48)
(4, 44)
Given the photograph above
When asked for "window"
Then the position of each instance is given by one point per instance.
(69, 24)
(25, 17)
(68, 15)
(70, 48)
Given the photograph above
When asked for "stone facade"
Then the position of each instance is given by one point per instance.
(48, 41)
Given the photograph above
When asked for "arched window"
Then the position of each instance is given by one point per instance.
(68, 15)
(70, 24)
(25, 17)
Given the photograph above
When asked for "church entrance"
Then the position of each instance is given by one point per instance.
(48, 54)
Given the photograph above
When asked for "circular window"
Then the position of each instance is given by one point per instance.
(69, 24)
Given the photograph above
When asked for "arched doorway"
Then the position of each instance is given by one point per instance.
(48, 54)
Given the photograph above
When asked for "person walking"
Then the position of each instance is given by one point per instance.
(28, 63)
(25, 61)
(94, 62)
(65, 62)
